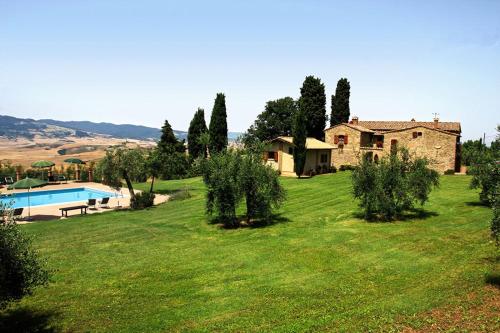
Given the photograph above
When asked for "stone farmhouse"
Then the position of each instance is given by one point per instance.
(348, 142)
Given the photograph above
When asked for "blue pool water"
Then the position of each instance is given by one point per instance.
(39, 198)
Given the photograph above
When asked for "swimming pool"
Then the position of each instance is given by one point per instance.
(41, 198)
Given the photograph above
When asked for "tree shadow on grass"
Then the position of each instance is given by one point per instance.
(492, 279)
(477, 204)
(241, 222)
(412, 214)
(26, 320)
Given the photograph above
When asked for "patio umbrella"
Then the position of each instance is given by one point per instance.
(42, 165)
(27, 183)
(76, 161)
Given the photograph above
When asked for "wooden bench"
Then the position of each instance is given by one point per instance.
(82, 208)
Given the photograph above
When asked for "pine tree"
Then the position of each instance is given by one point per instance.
(196, 128)
(313, 103)
(218, 126)
(168, 141)
(299, 141)
(340, 103)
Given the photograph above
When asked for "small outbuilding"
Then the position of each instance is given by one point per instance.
(280, 156)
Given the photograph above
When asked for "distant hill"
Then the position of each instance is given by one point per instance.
(13, 127)
(117, 131)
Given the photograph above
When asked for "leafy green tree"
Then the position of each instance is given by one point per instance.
(312, 103)
(387, 189)
(486, 177)
(231, 176)
(276, 120)
(299, 141)
(122, 164)
(340, 103)
(153, 166)
(21, 268)
(471, 151)
(196, 128)
(221, 174)
(495, 221)
(218, 126)
(261, 187)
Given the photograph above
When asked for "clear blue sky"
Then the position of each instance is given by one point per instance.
(143, 61)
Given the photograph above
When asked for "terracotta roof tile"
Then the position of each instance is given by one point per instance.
(396, 125)
(311, 143)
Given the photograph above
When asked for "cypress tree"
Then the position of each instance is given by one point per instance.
(196, 128)
(340, 103)
(218, 126)
(299, 141)
(313, 103)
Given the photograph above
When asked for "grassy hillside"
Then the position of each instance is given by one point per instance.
(317, 268)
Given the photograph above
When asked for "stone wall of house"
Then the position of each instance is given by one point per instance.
(350, 153)
(438, 147)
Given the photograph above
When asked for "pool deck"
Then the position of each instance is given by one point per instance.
(51, 212)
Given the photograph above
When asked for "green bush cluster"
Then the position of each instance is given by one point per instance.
(21, 269)
(449, 172)
(142, 200)
(346, 167)
(392, 186)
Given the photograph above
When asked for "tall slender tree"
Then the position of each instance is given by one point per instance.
(218, 126)
(340, 103)
(196, 128)
(313, 103)
(299, 141)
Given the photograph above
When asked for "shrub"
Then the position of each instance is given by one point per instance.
(142, 200)
(346, 167)
(181, 194)
(21, 269)
(449, 172)
(392, 186)
(333, 169)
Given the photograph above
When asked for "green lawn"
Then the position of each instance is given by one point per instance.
(318, 269)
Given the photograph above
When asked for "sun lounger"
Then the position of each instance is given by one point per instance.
(9, 181)
(104, 203)
(17, 214)
(62, 178)
(92, 203)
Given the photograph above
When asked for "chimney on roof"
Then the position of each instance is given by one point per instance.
(436, 122)
(355, 120)
(412, 120)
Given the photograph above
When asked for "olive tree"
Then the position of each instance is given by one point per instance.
(260, 185)
(232, 176)
(394, 185)
(221, 176)
(122, 164)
